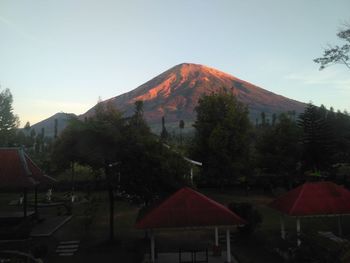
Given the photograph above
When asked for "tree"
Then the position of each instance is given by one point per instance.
(137, 120)
(337, 54)
(341, 127)
(131, 157)
(278, 147)
(148, 169)
(27, 127)
(93, 142)
(263, 119)
(221, 138)
(317, 138)
(250, 214)
(8, 120)
(55, 128)
(181, 126)
(164, 135)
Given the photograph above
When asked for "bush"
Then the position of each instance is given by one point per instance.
(249, 213)
(315, 248)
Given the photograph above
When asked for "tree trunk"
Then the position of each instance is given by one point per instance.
(111, 202)
(111, 213)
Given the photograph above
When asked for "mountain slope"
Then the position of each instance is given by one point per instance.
(49, 124)
(175, 93)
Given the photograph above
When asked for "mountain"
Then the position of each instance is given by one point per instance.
(49, 124)
(174, 94)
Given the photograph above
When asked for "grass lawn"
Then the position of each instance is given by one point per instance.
(90, 225)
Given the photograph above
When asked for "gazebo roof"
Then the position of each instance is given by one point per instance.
(188, 208)
(314, 199)
(18, 171)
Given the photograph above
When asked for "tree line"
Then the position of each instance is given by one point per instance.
(230, 147)
(289, 147)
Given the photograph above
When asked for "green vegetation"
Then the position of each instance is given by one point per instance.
(278, 146)
(132, 160)
(279, 150)
(250, 214)
(121, 165)
(221, 139)
(8, 120)
(130, 157)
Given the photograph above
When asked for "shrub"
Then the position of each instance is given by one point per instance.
(249, 213)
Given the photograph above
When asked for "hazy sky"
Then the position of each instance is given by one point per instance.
(63, 55)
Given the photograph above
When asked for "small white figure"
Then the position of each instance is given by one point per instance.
(49, 195)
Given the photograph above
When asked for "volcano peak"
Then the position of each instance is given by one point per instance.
(174, 94)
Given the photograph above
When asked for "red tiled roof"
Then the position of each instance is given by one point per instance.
(188, 208)
(17, 170)
(311, 199)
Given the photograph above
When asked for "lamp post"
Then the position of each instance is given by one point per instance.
(111, 199)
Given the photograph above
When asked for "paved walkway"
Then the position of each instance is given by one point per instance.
(49, 226)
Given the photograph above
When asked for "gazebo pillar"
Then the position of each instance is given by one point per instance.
(340, 231)
(191, 176)
(153, 258)
(216, 236)
(283, 230)
(298, 232)
(228, 243)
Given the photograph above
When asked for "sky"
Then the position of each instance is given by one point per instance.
(62, 56)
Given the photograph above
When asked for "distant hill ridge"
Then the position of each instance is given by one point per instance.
(174, 94)
(49, 124)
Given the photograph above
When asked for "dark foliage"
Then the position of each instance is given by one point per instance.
(8, 120)
(318, 138)
(337, 54)
(133, 160)
(250, 214)
(221, 139)
(278, 147)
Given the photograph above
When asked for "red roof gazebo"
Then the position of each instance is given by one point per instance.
(188, 208)
(18, 171)
(313, 199)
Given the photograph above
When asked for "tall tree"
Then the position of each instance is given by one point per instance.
(8, 120)
(55, 128)
(337, 54)
(27, 127)
(317, 138)
(263, 119)
(181, 126)
(164, 135)
(221, 139)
